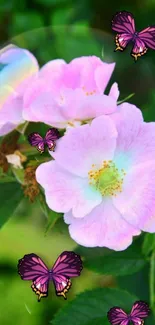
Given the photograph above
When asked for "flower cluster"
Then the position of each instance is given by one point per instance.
(102, 172)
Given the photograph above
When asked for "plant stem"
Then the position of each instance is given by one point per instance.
(152, 282)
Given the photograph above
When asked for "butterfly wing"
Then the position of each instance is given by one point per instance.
(68, 265)
(31, 267)
(37, 141)
(138, 49)
(147, 35)
(51, 136)
(144, 40)
(117, 316)
(139, 311)
(123, 23)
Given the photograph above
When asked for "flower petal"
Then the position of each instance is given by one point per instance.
(6, 128)
(66, 191)
(89, 67)
(128, 121)
(103, 227)
(136, 202)
(103, 75)
(114, 91)
(136, 139)
(46, 109)
(32, 92)
(86, 145)
(10, 110)
(94, 106)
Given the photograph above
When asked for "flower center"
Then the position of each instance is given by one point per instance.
(108, 179)
(89, 93)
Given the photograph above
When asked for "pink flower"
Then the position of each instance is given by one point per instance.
(103, 179)
(19, 68)
(67, 94)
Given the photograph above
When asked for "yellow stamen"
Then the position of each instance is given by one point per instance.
(107, 179)
(88, 93)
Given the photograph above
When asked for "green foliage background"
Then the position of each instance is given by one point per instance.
(67, 29)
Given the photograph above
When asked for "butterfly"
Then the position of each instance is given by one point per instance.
(123, 23)
(140, 310)
(68, 265)
(37, 141)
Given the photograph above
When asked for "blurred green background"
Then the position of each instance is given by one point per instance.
(67, 29)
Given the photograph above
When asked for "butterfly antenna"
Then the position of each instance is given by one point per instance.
(39, 298)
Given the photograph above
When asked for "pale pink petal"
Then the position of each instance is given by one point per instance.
(114, 91)
(94, 106)
(65, 191)
(6, 94)
(103, 226)
(103, 75)
(12, 111)
(85, 107)
(53, 73)
(6, 128)
(136, 139)
(137, 200)
(85, 68)
(86, 145)
(61, 75)
(32, 92)
(52, 68)
(46, 109)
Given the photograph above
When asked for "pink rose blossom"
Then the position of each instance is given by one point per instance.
(67, 94)
(103, 179)
(20, 66)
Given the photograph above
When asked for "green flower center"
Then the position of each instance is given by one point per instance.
(108, 179)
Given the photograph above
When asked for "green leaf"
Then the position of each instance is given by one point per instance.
(25, 21)
(36, 127)
(10, 196)
(148, 110)
(71, 47)
(62, 16)
(93, 306)
(52, 219)
(98, 321)
(51, 216)
(6, 6)
(87, 252)
(19, 174)
(51, 2)
(148, 244)
(6, 177)
(22, 127)
(118, 263)
(29, 28)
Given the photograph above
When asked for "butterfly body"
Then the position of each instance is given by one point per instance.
(36, 140)
(123, 23)
(68, 265)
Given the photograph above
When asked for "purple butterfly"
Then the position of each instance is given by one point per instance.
(123, 23)
(37, 141)
(68, 265)
(140, 310)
